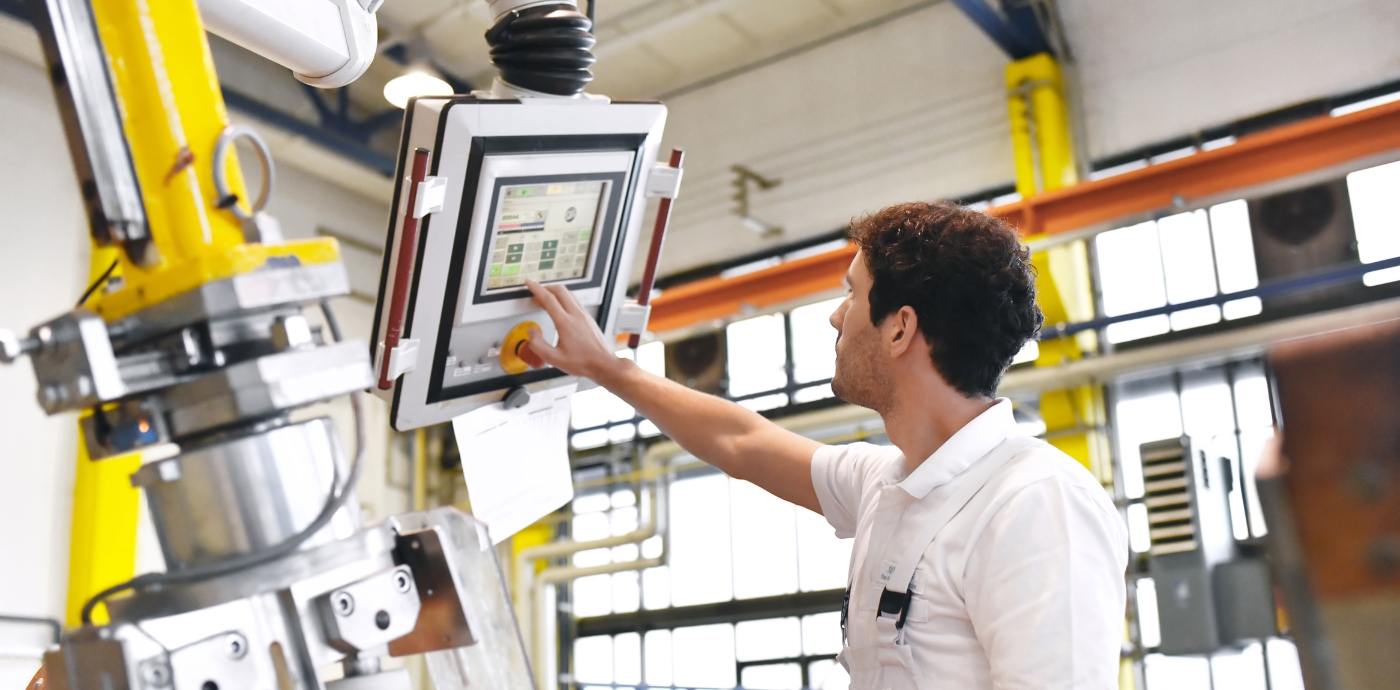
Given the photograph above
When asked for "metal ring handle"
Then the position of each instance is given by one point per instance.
(227, 137)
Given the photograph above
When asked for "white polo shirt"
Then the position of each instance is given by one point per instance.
(1024, 586)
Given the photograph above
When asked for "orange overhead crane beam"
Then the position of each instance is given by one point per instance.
(1272, 155)
(1269, 156)
(718, 298)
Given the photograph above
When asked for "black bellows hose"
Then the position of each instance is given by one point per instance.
(546, 48)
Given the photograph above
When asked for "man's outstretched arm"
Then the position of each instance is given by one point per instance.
(738, 441)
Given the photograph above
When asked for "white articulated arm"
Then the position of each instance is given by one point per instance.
(326, 43)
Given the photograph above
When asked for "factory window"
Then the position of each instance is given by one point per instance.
(1376, 216)
(771, 361)
(757, 352)
(770, 654)
(729, 540)
(595, 409)
(1228, 410)
(1180, 258)
(813, 350)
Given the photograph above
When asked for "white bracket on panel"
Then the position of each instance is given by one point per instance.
(403, 358)
(633, 317)
(432, 192)
(664, 182)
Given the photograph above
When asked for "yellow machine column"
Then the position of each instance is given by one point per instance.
(172, 114)
(102, 535)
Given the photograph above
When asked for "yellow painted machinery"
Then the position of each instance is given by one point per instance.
(194, 336)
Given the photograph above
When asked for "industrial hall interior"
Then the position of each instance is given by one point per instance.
(699, 345)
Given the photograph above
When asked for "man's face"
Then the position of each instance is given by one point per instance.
(862, 368)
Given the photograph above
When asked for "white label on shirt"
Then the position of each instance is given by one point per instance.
(886, 571)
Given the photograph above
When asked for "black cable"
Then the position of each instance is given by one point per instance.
(333, 505)
(591, 5)
(97, 283)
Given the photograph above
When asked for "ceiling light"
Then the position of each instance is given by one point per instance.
(400, 89)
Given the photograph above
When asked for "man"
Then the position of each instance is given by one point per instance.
(983, 559)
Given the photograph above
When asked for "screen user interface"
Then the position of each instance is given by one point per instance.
(544, 232)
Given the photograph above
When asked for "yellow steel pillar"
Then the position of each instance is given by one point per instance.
(1074, 417)
(1040, 132)
(102, 537)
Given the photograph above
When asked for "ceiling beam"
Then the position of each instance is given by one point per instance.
(1015, 28)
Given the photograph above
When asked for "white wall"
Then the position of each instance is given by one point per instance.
(43, 269)
(911, 110)
(1157, 69)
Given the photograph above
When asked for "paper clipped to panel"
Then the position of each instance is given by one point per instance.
(516, 462)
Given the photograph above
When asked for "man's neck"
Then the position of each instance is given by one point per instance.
(923, 420)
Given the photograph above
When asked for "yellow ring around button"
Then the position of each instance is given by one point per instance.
(510, 348)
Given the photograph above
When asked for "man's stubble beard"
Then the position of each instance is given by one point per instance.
(861, 378)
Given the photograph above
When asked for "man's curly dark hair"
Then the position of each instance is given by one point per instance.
(966, 276)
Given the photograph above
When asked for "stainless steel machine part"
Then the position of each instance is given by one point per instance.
(74, 363)
(368, 615)
(242, 294)
(368, 551)
(273, 626)
(265, 386)
(246, 494)
(497, 658)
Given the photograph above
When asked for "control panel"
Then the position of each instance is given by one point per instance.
(491, 194)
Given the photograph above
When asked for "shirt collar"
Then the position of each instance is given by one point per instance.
(977, 438)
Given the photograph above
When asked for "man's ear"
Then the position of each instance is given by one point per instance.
(904, 331)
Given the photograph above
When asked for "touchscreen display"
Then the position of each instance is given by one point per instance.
(544, 232)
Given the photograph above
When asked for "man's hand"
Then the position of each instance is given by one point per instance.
(582, 350)
(717, 431)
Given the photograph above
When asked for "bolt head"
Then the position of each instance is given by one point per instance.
(155, 673)
(343, 603)
(235, 646)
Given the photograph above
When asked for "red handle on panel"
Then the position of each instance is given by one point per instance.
(403, 268)
(658, 235)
